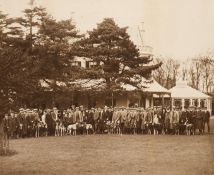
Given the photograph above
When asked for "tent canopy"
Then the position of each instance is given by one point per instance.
(182, 90)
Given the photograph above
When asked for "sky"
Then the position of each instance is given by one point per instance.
(178, 29)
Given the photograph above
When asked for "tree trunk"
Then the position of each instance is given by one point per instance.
(4, 140)
(112, 99)
(1, 137)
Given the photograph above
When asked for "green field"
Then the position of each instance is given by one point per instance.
(111, 154)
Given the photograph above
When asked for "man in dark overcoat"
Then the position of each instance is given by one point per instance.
(182, 120)
(206, 120)
(12, 124)
(6, 125)
(199, 120)
(49, 121)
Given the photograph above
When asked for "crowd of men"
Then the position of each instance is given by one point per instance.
(118, 120)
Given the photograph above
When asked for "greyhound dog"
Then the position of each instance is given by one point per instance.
(72, 129)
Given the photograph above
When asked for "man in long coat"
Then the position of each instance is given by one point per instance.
(182, 120)
(24, 123)
(115, 115)
(6, 125)
(123, 117)
(16, 125)
(106, 114)
(97, 117)
(49, 122)
(78, 116)
(174, 118)
(12, 123)
(168, 116)
(55, 113)
(90, 118)
(206, 120)
(199, 120)
(70, 116)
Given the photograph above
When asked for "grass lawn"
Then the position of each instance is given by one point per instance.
(112, 154)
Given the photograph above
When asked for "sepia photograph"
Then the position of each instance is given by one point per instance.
(106, 87)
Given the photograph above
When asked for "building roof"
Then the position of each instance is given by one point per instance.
(155, 87)
(148, 86)
(182, 90)
(151, 86)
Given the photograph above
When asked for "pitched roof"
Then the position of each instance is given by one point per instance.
(148, 86)
(155, 87)
(151, 86)
(182, 90)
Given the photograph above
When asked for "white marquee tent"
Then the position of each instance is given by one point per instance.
(185, 96)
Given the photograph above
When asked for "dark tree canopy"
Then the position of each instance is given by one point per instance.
(33, 48)
(118, 59)
(54, 49)
(15, 64)
(37, 47)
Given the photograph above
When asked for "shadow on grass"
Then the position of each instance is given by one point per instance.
(8, 152)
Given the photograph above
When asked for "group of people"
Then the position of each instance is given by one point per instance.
(118, 120)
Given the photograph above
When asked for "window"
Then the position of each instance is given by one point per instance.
(76, 63)
(186, 103)
(195, 102)
(90, 64)
(177, 103)
(157, 102)
(203, 103)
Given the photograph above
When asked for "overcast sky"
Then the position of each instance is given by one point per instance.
(174, 28)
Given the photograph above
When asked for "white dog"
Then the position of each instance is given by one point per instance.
(189, 128)
(72, 129)
(88, 127)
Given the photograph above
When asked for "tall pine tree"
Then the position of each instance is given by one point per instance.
(15, 65)
(118, 59)
(55, 53)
